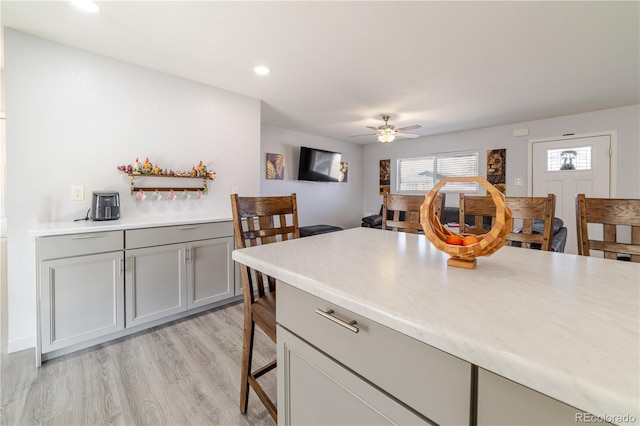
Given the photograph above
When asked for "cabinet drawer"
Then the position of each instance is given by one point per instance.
(432, 382)
(79, 244)
(148, 237)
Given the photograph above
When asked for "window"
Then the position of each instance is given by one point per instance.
(569, 159)
(421, 174)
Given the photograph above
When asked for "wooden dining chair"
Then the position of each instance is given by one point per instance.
(257, 221)
(528, 210)
(479, 209)
(482, 210)
(610, 213)
(405, 212)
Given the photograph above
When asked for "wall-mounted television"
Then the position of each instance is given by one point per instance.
(319, 165)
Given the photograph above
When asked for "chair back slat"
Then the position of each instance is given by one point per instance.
(259, 221)
(526, 209)
(406, 212)
(529, 209)
(478, 207)
(635, 239)
(609, 213)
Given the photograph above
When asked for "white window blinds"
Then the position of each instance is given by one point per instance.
(421, 174)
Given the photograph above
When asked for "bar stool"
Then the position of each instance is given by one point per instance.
(257, 221)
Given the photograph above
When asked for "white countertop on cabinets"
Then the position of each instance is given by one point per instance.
(564, 325)
(47, 229)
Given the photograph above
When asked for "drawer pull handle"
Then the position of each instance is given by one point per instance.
(86, 237)
(348, 325)
(188, 228)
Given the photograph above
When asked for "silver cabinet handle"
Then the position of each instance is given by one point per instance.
(86, 237)
(187, 228)
(348, 325)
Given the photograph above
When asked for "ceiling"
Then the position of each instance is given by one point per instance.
(337, 66)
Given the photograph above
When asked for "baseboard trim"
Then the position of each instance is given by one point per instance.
(21, 344)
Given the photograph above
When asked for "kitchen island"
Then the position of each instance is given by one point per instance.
(562, 326)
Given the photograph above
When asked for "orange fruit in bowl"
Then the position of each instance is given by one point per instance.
(454, 240)
(469, 240)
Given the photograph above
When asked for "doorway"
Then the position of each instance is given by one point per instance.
(574, 164)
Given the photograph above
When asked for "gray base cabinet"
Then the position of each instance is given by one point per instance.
(96, 286)
(155, 283)
(315, 389)
(421, 380)
(210, 271)
(83, 298)
(504, 402)
(80, 290)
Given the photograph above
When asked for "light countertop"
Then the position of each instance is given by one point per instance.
(47, 229)
(564, 325)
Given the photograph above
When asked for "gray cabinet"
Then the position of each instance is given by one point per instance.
(423, 379)
(155, 283)
(504, 402)
(93, 287)
(176, 268)
(315, 389)
(210, 271)
(80, 288)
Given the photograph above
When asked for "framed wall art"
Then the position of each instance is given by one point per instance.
(275, 167)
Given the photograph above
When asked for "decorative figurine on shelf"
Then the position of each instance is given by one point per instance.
(194, 172)
(147, 166)
(202, 169)
(212, 175)
(156, 170)
(126, 169)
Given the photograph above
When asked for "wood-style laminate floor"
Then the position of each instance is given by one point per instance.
(183, 373)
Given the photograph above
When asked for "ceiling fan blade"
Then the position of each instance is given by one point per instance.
(366, 134)
(407, 135)
(371, 127)
(415, 126)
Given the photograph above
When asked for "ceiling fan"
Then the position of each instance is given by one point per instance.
(387, 132)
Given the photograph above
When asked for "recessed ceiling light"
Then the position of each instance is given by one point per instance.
(262, 70)
(86, 5)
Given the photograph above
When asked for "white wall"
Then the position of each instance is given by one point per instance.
(625, 120)
(319, 203)
(73, 117)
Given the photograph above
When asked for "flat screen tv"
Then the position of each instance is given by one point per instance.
(319, 165)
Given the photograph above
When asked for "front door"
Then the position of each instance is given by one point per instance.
(568, 166)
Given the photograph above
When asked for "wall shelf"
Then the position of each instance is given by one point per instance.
(144, 186)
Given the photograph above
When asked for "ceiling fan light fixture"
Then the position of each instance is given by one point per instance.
(387, 136)
(261, 70)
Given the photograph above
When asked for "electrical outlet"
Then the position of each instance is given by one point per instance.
(77, 193)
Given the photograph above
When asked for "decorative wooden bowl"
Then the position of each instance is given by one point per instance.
(489, 243)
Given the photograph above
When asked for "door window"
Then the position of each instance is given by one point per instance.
(569, 159)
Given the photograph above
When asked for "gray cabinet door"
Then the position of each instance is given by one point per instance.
(210, 274)
(315, 389)
(155, 285)
(81, 298)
